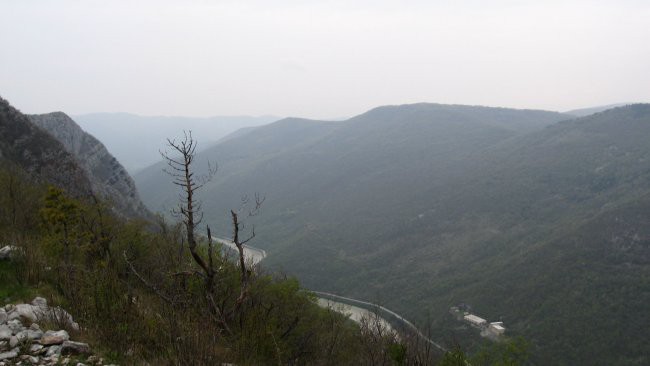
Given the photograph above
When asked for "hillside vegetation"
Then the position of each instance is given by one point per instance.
(139, 297)
(139, 294)
(537, 222)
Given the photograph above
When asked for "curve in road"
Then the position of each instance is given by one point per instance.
(254, 256)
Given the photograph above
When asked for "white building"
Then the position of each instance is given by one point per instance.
(475, 320)
(497, 328)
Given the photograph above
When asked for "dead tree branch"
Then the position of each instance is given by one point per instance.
(189, 208)
(151, 286)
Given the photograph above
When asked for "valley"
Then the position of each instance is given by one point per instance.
(506, 210)
(357, 310)
(390, 183)
(420, 207)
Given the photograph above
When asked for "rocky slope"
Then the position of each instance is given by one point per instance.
(24, 145)
(108, 178)
(24, 342)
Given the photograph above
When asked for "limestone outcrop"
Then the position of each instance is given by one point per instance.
(23, 341)
(109, 180)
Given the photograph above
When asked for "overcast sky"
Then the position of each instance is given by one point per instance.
(319, 59)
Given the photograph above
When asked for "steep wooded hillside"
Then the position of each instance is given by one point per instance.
(538, 223)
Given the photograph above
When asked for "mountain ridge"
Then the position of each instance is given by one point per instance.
(135, 140)
(107, 176)
(33, 150)
(583, 112)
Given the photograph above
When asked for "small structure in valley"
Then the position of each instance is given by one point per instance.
(475, 320)
(492, 330)
(497, 328)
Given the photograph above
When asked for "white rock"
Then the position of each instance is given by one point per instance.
(52, 337)
(56, 315)
(40, 302)
(15, 325)
(7, 251)
(26, 311)
(35, 348)
(8, 355)
(3, 316)
(74, 348)
(34, 334)
(13, 341)
(53, 351)
(5, 332)
(21, 335)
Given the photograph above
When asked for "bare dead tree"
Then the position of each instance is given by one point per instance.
(151, 286)
(222, 308)
(179, 164)
(237, 227)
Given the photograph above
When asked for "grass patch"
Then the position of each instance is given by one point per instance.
(11, 289)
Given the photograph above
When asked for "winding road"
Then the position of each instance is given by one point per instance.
(251, 255)
(354, 308)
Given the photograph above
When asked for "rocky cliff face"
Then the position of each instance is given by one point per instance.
(28, 147)
(107, 176)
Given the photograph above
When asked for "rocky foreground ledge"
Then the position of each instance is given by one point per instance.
(24, 342)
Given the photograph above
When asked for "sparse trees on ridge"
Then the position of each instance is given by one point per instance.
(180, 167)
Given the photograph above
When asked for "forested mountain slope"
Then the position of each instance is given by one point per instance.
(420, 207)
(317, 155)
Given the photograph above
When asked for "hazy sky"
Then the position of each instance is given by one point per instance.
(319, 58)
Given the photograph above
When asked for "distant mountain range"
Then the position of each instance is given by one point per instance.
(135, 140)
(582, 112)
(539, 219)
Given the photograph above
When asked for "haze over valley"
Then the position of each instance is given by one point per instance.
(147, 135)
(178, 185)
